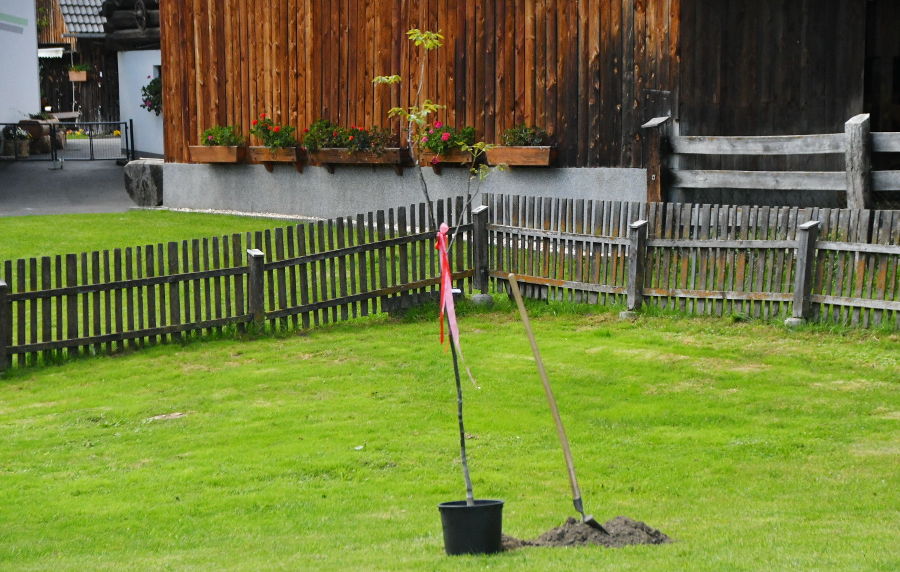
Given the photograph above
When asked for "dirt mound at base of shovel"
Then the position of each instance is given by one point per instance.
(618, 532)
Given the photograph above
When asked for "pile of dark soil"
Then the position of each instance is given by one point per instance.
(618, 532)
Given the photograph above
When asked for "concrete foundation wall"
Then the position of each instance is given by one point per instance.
(351, 190)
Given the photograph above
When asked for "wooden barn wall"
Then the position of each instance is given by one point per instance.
(579, 68)
(770, 67)
(51, 24)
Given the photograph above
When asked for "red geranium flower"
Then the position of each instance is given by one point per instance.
(263, 115)
(254, 122)
(351, 138)
(276, 129)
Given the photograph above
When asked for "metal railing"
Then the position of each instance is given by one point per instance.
(68, 141)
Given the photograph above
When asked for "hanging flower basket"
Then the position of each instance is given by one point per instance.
(77, 75)
(328, 157)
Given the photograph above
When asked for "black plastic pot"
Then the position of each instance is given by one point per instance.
(472, 529)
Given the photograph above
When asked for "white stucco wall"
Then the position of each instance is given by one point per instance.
(19, 87)
(134, 67)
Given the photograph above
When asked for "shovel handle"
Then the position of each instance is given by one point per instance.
(560, 431)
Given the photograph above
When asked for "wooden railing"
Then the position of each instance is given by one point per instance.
(856, 144)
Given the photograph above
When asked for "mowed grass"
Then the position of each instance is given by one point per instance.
(48, 235)
(753, 446)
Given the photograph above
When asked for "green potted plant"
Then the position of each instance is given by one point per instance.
(523, 146)
(278, 144)
(15, 141)
(219, 144)
(151, 95)
(78, 72)
(329, 144)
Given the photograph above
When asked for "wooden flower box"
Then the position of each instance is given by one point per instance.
(76, 75)
(521, 156)
(268, 157)
(328, 157)
(435, 161)
(217, 153)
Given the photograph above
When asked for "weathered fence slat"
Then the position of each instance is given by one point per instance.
(760, 145)
(772, 180)
(886, 181)
(886, 142)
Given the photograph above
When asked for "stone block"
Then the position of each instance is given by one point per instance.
(144, 182)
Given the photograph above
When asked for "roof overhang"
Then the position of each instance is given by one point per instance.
(51, 52)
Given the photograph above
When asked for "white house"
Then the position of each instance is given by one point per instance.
(20, 92)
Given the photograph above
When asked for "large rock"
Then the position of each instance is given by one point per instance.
(144, 182)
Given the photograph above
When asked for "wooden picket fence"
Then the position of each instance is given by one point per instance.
(700, 259)
(302, 275)
(833, 265)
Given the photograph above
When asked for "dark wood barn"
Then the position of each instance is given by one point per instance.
(590, 71)
(77, 27)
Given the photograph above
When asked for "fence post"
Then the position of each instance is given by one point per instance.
(5, 326)
(654, 154)
(256, 288)
(130, 139)
(636, 251)
(480, 248)
(858, 162)
(807, 234)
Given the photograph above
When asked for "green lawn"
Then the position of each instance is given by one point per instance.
(755, 447)
(28, 236)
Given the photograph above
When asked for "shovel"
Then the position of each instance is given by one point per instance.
(560, 431)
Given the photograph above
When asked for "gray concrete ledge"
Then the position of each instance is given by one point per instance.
(358, 189)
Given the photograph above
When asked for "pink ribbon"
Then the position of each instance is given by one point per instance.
(446, 292)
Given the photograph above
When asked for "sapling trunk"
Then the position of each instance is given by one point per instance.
(470, 497)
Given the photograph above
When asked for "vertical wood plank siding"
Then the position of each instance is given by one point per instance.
(577, 68)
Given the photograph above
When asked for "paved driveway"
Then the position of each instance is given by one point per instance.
(33, 188)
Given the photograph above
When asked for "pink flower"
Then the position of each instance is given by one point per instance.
(430, 131)
(424, 140)
(435, 160)
(351, 138)
(445, 136)
(438, 124)
(209, 137)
